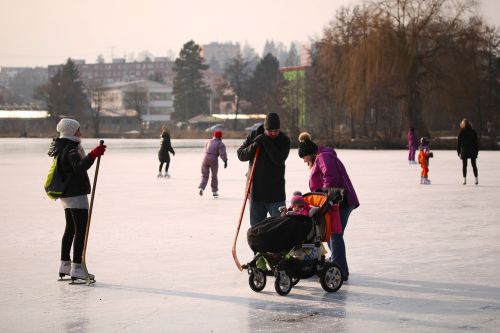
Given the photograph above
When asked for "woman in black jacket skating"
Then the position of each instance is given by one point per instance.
(73, 164)
(468, 147)
(163, 153)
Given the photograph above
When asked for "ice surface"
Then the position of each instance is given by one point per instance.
(422, 258)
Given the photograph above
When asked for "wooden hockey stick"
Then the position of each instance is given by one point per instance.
(249, 184)
(84, 265)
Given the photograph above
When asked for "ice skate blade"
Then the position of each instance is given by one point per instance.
(80, 281)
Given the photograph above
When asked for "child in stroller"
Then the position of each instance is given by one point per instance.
(277, 239)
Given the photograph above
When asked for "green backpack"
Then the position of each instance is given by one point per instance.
(54, 184)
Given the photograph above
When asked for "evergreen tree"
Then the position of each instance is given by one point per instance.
(266, 86)
(250, 56)
(191, 94)
(64, 93)
(292, 58)
(238, 75)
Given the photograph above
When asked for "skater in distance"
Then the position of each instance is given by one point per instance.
(412, 145)
(214, 149)
(424, 154)
(163, 153)
(73, 164)
(468, 147)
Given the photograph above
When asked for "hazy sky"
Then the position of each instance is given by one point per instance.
(42, 32)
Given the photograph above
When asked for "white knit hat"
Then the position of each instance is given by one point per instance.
(67, 127)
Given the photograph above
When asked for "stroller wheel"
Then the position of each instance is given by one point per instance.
(283, 283)
(257, 280)
(331, 277)
(295, 280)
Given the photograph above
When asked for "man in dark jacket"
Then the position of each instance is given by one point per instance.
(268, 186)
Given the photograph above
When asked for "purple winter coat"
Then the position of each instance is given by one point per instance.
(328, 171)
(213, 149)
(412, 140)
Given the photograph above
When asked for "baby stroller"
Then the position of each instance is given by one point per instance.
(291, 245)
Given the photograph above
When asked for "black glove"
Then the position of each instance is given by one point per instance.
(225, 164)
(173, 153)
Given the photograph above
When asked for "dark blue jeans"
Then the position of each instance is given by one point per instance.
(259, 210)
(337, 245)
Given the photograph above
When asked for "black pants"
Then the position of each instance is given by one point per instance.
(76, 226)
(464, 166)
(166, 166)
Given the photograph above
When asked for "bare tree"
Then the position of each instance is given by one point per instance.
(136, 98)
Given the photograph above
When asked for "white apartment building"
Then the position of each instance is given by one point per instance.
(114, 100)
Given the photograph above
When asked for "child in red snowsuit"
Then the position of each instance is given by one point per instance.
(424, 154)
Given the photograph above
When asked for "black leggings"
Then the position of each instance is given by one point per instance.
(166, 166)
(76, 227)
(464, 166)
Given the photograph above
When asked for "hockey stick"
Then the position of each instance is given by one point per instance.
(249, 184)
(84, 265)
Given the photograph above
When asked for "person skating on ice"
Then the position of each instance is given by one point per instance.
(412, 145)
(163, 153)
(468, 147)
(424, 154)
(73, 164)
(214, 149)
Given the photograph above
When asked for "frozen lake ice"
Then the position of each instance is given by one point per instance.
(422, 258)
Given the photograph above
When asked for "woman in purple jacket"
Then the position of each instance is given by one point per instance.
(213, 150)
(412, 145)
(328, 171)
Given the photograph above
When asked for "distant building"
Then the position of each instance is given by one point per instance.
(36, 76)
(121, 71)
(157, 98)
(218, 54)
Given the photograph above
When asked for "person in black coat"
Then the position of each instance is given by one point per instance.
(268, 186)
(468, 147)
(73, 164)
(163, 154)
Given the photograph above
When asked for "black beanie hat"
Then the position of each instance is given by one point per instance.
(306, 145)
(272, 121)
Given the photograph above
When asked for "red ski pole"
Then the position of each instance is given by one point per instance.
(249, 184)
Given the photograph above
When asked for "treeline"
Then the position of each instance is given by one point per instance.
(387, 65)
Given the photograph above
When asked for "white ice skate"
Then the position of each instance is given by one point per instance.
(422, 180)
(77, 273)
(216, 195)
(427, 181)
(64, 268)
(167, 175)
(160, 175)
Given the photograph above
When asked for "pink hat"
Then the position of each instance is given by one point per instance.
(297, 199)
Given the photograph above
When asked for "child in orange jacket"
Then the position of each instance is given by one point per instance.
(424, 154)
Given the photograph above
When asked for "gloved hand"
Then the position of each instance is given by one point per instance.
(173, 153)
(98, 151)
(225, 164)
